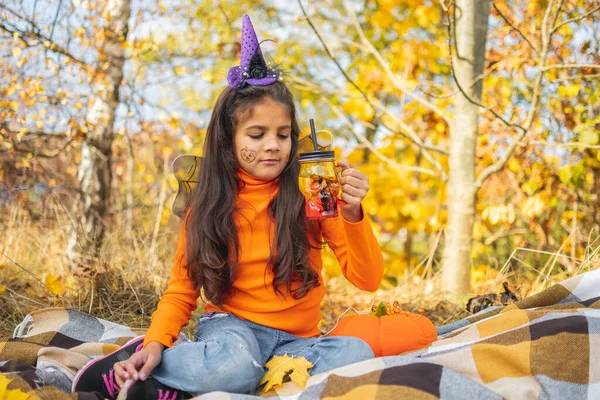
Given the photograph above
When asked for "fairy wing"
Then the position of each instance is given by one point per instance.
(186, 168)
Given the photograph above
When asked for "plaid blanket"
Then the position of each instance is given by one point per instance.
(544, 347)
(50, 346)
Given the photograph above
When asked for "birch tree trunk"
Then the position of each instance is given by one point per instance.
(469, 32)
(95, 169)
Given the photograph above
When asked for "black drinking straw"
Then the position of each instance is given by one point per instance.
(313, 132)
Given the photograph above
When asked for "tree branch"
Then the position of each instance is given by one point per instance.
(515, 28)
(535, 101)
(584, 77)
(566, 145)
(427, 104)
(574, 19)
(35, 153)
(457, 91)
(21, 147)
(30, 135)
(332, 56)
(411, 134)
(408, 133)
(567, 66)
(464, 93)
(498, 235)
(375, 151)
(36, 33)
(55, 19)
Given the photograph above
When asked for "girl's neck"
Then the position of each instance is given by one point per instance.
(252, 180)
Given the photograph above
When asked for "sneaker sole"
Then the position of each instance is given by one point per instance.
(137, 340)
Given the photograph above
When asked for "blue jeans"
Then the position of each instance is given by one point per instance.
(229, 355)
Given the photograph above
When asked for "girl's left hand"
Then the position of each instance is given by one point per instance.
(355, 186)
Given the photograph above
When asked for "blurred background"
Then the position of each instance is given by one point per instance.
(477, 123)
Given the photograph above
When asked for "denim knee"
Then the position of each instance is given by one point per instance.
(339, 351)
(355, 350)
(233, 369)
(225, 364)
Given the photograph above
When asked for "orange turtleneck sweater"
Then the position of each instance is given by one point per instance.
(253, 298)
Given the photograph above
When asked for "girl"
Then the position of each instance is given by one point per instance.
(246, 243)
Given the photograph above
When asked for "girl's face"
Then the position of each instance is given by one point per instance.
(263, 142)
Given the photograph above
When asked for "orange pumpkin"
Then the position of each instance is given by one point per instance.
(389, 334)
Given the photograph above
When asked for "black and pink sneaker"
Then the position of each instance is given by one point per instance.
(98, 375)
(151, 389)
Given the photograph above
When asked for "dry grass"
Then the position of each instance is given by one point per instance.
(132, 274)
(125, 287)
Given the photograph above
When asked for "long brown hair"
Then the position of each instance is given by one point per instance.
(212, 247)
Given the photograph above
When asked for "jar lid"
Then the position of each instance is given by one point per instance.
(316, 155)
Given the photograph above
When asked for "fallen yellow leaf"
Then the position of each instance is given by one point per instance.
(281, 366)
(55, 284)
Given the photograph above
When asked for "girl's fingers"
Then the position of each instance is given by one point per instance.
(350, 201)
(352, 176)
(343, 164)
(354, 191)
(354, 172)
(354, 181)
(131, 365)
(119, 374)
(150, 364)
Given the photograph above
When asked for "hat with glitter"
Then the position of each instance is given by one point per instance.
(253, 69)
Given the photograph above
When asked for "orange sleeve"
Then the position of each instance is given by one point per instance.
(175, 307)
(356, 249)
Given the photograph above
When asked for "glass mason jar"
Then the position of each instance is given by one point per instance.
(319, 183)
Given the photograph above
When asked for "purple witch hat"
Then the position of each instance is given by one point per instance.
(252, 69)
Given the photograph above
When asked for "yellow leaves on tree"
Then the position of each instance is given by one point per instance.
(513, 165)
(17, 52)
(383, 19)
(425, 15)
(296, 368)
(12, 394)
(533, 207)
(359, 109)
(569, 91)
(590, 137)
(499, 214)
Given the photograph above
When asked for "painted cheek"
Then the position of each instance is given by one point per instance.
(247, 155)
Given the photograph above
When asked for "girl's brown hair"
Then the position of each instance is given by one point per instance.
(212, 247)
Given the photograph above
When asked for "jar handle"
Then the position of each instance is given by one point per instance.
(338, 172)
(338, 175)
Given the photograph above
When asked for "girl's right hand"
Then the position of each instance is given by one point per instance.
(143, 361)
